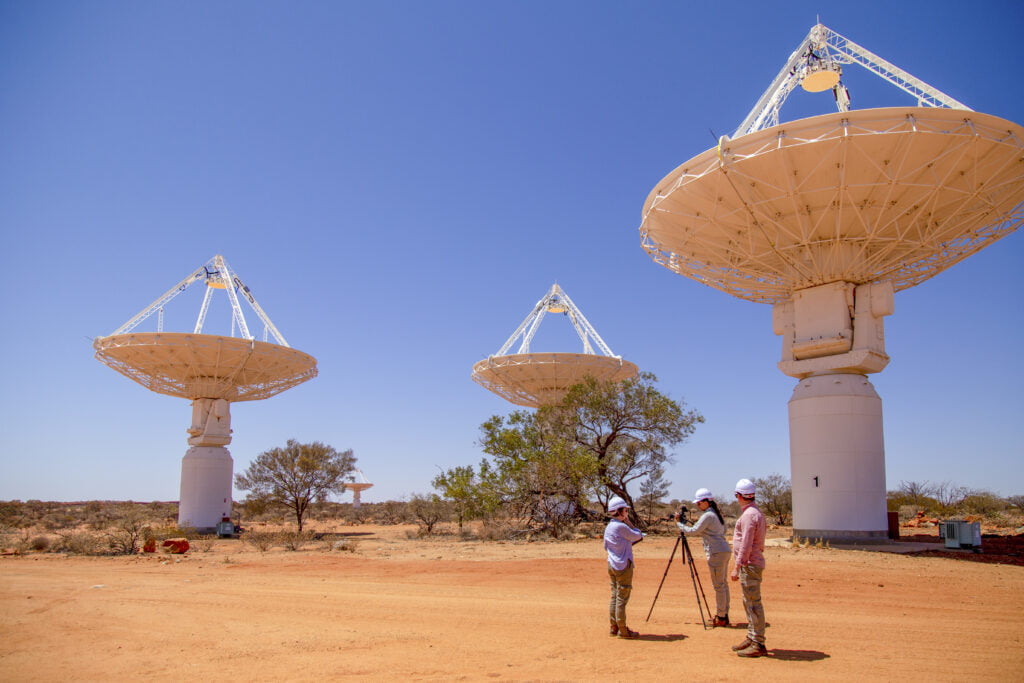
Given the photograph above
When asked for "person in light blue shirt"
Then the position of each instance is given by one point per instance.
(711, 529)
(619, 538)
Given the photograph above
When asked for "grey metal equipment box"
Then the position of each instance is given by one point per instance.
(961, 534)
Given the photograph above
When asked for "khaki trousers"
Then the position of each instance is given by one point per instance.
(750, 581)
(622, 586)
(718, 564)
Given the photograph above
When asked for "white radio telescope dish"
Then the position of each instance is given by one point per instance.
(825, 218)
(534, 379)
(212, 371)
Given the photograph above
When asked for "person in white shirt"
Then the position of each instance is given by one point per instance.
(711, 529)
(619, 538)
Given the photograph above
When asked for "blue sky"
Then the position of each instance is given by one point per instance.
(399, 182)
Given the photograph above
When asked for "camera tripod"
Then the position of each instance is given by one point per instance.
(698, 588)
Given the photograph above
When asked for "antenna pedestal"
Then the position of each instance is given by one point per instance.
(207, 468)
(837, 459)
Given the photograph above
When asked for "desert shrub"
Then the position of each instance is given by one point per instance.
(128, 531)
(982, 503)
(294, 540)
(39, 543)
(79, 543)
(202, 542)
(393, 512)
(346, 545)
(261, 540)
(13, 514)
(1004, 519)
(497, 530)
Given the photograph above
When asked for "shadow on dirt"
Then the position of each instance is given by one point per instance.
(798, 655)
(663, 637)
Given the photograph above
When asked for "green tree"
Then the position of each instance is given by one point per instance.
(775, 497)
(626, 427)
(295, 476)
(466, 493)
(536, 473)
(428, 511)
(653, 490)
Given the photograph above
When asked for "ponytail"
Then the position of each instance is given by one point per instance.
(714, 506)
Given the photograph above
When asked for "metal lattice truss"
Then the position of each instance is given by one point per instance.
(822, 51)
(863, 196)
(197, 366)
(555, 301)
(216, 275)
(535, 379)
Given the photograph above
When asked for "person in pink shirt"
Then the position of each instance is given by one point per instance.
(748, 567)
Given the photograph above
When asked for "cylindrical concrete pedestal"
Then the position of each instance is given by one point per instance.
(837, 459)
(206, 478)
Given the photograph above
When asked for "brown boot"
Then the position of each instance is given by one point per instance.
(747, 642)
(754, 650)
(625, 632)
(614, 629)
(720, 621)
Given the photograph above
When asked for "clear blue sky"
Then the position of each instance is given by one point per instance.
(399, 182)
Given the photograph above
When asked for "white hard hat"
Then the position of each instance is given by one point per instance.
(745, 488)
(616, 503)
(702, 494)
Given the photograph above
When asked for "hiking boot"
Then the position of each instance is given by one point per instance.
(614, 629)
(720, 621)
(747, 642)
(753, 650)
(625, 632)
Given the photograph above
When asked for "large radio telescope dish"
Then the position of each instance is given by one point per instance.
(196, 366)
(212, 371)
(535, 379)
(895, 194)
(825, 218)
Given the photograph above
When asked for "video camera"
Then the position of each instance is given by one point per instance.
(678, 515)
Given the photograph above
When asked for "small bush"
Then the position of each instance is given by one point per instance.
(203, 542)
(346, 545)
(39, 543)
(492, 530)
(261, 540)
(79, 543)
(294, 540)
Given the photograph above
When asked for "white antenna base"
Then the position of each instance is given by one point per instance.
(206, 478)
(837, 459)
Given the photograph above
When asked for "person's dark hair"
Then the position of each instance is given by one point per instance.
(714, 506)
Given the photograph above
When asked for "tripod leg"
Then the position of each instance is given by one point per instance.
(670, 557)
(701, 586)
(695, 579)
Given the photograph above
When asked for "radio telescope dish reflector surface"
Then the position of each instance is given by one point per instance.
(197, 366)
(535, 379)
(895, 194)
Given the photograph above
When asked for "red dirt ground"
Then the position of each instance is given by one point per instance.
(444, 609)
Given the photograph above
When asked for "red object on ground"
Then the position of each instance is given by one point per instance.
(149, 546)
(176, 546)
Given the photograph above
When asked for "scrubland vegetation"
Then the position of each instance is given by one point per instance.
(118, 528)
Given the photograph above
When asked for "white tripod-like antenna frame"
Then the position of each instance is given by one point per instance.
(823, 44)
(217, 274)
(556, 300)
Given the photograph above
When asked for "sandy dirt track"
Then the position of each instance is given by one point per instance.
(455, 610)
